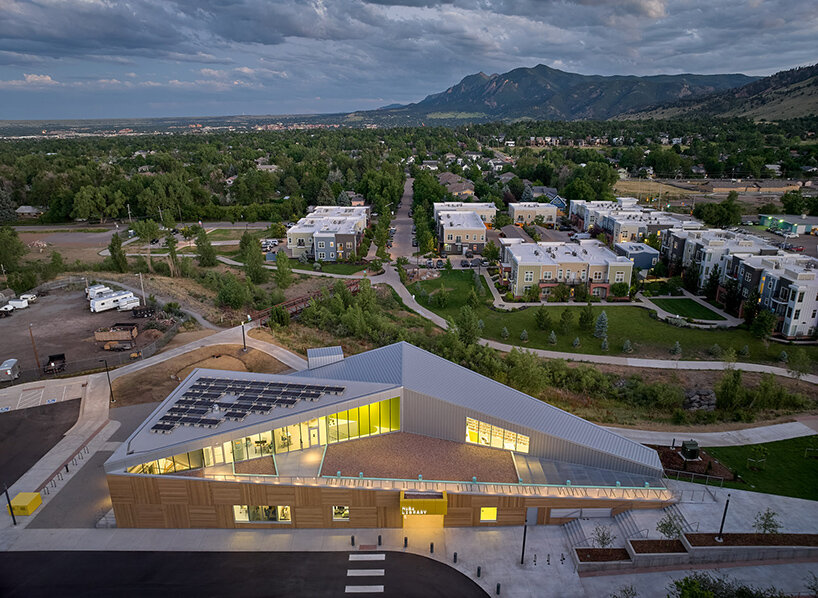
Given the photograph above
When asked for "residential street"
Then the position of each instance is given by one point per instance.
(402, 241)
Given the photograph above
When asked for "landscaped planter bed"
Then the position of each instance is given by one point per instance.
(657, 546)
(672, 459)
(602, 555)
(753, 540)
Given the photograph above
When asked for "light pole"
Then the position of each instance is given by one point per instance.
(110, 387)
(34, 345)
(723, 517)
(243, 339)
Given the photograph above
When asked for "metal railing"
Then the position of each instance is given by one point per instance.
(694, 477)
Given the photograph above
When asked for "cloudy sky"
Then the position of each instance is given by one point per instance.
(140, 58)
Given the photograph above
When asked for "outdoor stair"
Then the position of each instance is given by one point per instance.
(627, 525)
(574, 533)
(674, 511)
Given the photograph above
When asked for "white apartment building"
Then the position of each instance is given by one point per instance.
(485, 210)
(526, 212)
(459, 232)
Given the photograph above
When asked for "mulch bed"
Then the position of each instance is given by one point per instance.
(672, 459)
(405, 456)
(753, 539)
(601, 555)
(656, 546)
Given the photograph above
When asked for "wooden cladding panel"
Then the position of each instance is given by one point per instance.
(507, 516)
(363, 517)
(338, 496)
(389, 517)
(172, 491)
(309, 517)
(199, 493)
(204, 516)
(124, 514)
(225, 493)
(177, 515)
(387, 499)
(279, 495)
(120, 490)
(308, 497)
(458, 517)
(149, 515)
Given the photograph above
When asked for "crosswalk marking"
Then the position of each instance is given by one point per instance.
(365, 572)
(367, 557)
(364, 589)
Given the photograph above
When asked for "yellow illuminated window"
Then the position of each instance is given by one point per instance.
(340, 513)
(478, 432)
(488, 513)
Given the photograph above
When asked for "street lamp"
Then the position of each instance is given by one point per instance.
(110, 387)
(719, 538)
(34, 345)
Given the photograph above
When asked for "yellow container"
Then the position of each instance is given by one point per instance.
(25, 503)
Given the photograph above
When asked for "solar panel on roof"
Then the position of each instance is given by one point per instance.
(162, 428)
(235, 415)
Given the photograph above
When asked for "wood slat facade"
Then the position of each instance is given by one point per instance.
(141, 501)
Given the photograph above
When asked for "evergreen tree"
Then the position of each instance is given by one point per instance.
(173, 258)
(543, 318)
(343, 199)
(468, 328)
(7, 213)
(524, 335)
(552, 338)
(247, 243)
(601, 328)
(11, 248)
(575, 344)
(504, 333)
(604, 343)
(118, 254)
(627, 347)
(586, 318)
(711, 287)
(676, 349)
(284, 272)
(473, 301)
(204, 250)
(566, 320)
(528, 194)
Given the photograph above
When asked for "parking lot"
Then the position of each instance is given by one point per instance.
(808, 242)
(59, 322)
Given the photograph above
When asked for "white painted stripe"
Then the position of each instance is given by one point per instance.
(365, 572)
(364, 589)
(368, 557)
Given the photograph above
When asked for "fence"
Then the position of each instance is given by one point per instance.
(114, 359)
(297, 305)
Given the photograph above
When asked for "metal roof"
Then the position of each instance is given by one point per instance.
(324, 356)
(403, 364)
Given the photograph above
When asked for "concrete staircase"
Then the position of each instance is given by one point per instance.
(627, 525)
(687, 527)
(573, 531)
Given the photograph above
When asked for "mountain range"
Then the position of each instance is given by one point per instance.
(545, 93)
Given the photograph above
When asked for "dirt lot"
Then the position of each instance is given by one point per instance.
(60, 323)
(157, 382)
(72, 246)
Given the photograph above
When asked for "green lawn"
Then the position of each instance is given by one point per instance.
(687, 308)
(331, 268)
(649, 337)
(787, 472)
(232, 234)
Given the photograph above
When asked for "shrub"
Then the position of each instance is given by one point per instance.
(670, 527)
(603, 536)
(278, 317)
(744, 351)
(627, 347)
(552, 338)
(676, 349)
(601, 328)
(715, 351)
(575, 344)
(783, 357)
(504, 333)
(524, 335)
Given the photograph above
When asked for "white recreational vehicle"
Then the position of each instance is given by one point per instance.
(110, 301)
(18, 303)
(96, 290)
(128, 304)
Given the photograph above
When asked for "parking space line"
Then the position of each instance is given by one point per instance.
(368, 557)
(365, 572)
(364, 589)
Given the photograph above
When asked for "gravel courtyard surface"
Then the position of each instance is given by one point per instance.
(405, 456)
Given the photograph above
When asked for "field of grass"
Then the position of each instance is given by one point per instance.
(342, 268)
(687, 308)
(787, 472)
(649, 337)
(644, 188)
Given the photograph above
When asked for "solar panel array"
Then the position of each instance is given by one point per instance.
(210, 401)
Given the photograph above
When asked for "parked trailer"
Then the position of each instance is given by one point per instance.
(145, 311)
(55, 364)
(18, 303)
(109, 301)
(30, 297)
(128, 304)
(9, 370)
(97, 290)
(121, 331)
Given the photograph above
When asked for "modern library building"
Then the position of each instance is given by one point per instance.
(392, 437)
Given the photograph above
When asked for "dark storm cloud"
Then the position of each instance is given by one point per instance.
(341, 54)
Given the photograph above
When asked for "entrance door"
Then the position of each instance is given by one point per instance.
(531, 515)
(314, 436)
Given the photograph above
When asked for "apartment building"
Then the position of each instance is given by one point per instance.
(548, 264)
(623, 220)
(485, 210)
(585, 214)
(329, 233)
(459, 232)
(643, 256)
(712, 248)
(528, 212)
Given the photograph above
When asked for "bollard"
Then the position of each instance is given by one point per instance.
(405, 541)
(535, 560)
(548, 559)
(478, 571)
(352, 539)
(455, 557)
(431, 547)
(379, 540)
(66, 468)
(498, 588)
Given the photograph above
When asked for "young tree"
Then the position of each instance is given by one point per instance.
(783, 357)
(468, 329)
(604, 345)
(767, 522)
(627, 347)
(524, 335)
(118, 254)
(670, 527)
(504, 334)
(204, 250)
(601, 327)
(763, 324)
(542, 318)
(284, 272)
(690, 278)
(278, 317)
(246, 244)
(147, 231)
(473, 300)
(254, 264)
(603, 536)
(586, 318)
(552, 338)
(799, 364)
(566, 320)
(576, 342)
(711, 287)
(173, 258)
(676, 349)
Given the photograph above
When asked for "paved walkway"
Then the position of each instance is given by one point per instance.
(729, 438)
(728, 321)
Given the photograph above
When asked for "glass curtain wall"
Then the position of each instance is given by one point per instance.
(478, 432)
(358, 422)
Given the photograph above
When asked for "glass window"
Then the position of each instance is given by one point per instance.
(472, 427)
(478, 432)
(488, 513)
(262, 514)
(497, 437)
(363, 420)
(395, 415)
(340, 513)
(181, 462)
(485, 434)
(241, 513)
(196, 459)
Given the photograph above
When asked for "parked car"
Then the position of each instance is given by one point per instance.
(441, 264)
(484, 263)
(790, 235)
(798, 248)
(469, 254)
(430, 263)
(444, 255)
(154, 241)
(465, 264)
(414, 242)
(476, 262)
(565, 228)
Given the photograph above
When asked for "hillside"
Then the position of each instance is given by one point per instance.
(786, 94)
(544, 93)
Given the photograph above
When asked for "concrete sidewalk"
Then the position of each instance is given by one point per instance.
(757, 435)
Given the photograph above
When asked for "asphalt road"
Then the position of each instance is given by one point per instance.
(402, 241)
(240, 574)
